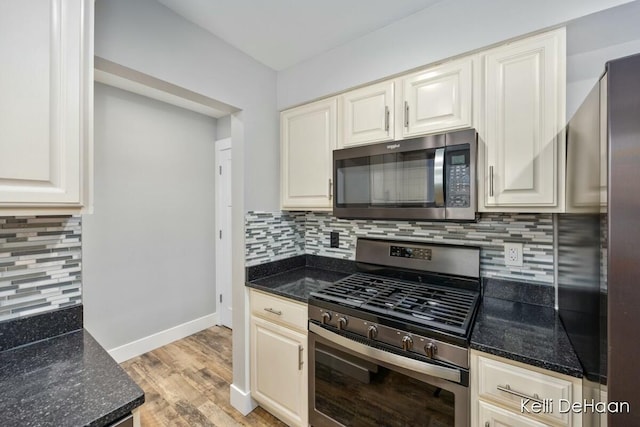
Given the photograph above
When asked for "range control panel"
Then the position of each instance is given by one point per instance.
(410, 252)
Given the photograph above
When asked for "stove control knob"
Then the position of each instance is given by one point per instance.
(326, 317)
(407, 343)
(372, 332)
(342, 323)
(430, 349)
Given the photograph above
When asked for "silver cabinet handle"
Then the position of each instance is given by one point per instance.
(330, 189)
(386, 118)
(271, 310)
(490, 181)
(406, 114)
(300, 361)
(507, 389)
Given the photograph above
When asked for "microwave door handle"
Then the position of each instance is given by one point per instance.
(438, 177)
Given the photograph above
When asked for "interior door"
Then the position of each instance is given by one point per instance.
(223, 225)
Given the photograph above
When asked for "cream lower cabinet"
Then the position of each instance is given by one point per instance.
(493, 416)
(500, 387)
(308, 136)
(279, 357)
(520, 125)
(46, 106)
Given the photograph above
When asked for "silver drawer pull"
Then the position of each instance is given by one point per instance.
(507, 389)
(271, 310)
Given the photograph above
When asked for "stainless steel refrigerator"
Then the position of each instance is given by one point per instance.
(598, 242)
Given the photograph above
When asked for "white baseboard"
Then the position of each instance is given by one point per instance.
(143, 345)
(242, 400)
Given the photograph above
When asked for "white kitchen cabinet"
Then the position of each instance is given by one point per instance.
(498, 387)
(436, 99)
(308, 136)
(492, 416)
(366, 115)
(520, 125)
(279, 357)
(46, 106)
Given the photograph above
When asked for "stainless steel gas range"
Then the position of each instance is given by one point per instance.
(389, 344)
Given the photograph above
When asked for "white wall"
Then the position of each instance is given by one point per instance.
(592, 41)
(150, 38)
(223, 128)
(447, 29)
(148, 249)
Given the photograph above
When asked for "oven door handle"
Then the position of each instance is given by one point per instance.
(384, 356)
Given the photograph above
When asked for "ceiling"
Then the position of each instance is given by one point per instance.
(282, 33)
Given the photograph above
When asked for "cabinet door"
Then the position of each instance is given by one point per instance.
(492, 416)
(308, 138)
(366, 115)
(46, 102)
(522, 121)
(437, 99)
(279, 370)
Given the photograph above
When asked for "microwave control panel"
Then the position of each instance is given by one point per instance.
(458, 179)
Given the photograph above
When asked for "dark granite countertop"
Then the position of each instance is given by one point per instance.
(297, 283)
(67, 380)
(532, 334)
(515, 320)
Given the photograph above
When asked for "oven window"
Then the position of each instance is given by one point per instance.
(355, 392)
(386, 180)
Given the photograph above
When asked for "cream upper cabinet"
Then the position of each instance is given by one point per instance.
(436, 99)
(307, 139)
(520, 125)
(279, 357)
(46, 106)
(366, 115)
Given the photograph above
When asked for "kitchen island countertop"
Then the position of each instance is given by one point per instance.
(67, 380)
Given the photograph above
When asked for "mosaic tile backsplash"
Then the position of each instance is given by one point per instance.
(271, 236)
(534, 231)
(40, 264)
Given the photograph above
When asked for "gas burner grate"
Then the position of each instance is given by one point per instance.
(443, 308)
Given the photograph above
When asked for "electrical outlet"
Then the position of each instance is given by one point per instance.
(334, 239)
(513, 254)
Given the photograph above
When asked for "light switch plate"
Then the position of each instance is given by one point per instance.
(513, 254)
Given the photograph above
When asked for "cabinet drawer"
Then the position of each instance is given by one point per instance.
(511, 385)
(492, 416)
(279, 310)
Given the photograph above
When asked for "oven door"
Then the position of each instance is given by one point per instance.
(354, 384)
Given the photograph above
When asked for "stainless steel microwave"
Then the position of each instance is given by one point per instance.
(427, 178)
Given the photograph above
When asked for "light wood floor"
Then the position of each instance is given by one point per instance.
(186, 384)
